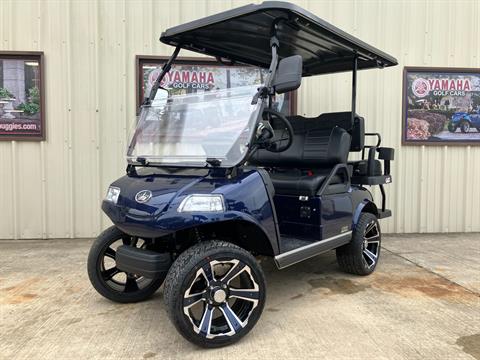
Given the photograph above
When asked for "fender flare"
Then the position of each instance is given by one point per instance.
(465, 119)
(239, 216)
(365, 206)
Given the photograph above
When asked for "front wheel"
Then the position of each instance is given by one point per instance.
(465, 127)
(452, 128)
(360, 256)
(214, 293)
(110, 281)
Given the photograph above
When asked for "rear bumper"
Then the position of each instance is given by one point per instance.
(147, 263)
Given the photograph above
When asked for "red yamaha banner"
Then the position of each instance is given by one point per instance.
(192, 75)
(441, 106)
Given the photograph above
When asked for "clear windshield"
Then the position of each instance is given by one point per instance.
(188, 129)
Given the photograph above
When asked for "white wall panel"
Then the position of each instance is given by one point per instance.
(54, 189)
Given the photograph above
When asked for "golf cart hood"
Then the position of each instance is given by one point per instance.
(243, 35)
(459, 115)
(159, 215)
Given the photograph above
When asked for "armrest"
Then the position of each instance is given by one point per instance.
(338, 169)
(371, 161)
(387, 155)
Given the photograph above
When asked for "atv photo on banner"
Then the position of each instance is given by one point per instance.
(441, 106)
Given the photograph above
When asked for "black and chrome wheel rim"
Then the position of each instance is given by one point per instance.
(221, 298)
(371, 244)
(114, 278)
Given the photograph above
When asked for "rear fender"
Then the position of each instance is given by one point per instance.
(364, 206)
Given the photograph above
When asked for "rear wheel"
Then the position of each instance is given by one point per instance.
(452, 128)
(214, 293)
(110, 281)
(360, 256)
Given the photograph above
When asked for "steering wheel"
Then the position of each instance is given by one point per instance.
(282, 131)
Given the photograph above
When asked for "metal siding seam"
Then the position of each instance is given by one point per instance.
(42, 143)
(97, 131)
(422, 203)
(150, 24)
(469, 173)
(70, 175)
(443, 180)
(14, 190)
(381, 78)
(125, 83)
(13, 143)
(467, 214)
(475, 173)
(400, 169)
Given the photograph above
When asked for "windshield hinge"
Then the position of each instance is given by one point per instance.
(213, 162)
(142, 161)
(261, 93)
(131, 170)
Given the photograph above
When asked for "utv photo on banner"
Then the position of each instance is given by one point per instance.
(215, 178)
(441, 106)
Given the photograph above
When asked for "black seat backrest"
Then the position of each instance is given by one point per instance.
(328, 121)
(311, 148)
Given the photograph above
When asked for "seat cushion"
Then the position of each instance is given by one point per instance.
(300, 182)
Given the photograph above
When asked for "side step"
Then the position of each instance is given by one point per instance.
(305, 252)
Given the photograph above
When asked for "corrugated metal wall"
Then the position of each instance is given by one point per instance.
(53, 189)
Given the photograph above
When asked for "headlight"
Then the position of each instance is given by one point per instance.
(206, 203)
(112, 194)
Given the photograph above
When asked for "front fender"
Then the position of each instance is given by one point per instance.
(246, 199)
(189, 221)
(460, 117)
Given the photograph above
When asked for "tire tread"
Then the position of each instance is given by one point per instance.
(180, 270)
(107, 235)
(349, 256)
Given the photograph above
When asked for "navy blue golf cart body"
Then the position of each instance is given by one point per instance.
(221, 173)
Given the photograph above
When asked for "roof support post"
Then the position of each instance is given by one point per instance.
(165, 69)
(354, 86)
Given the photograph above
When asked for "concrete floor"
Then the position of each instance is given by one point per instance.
(423, 302)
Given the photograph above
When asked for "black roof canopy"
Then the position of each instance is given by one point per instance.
(243, 35)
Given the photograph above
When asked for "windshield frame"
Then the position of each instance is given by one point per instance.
(264, 93)
(138, 155)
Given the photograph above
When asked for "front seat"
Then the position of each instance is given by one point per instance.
(302, 168)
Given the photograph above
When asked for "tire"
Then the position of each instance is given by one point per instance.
(478, 129)
(452, 128)
(193, 295)
(361, 255)
(465, 127)
(109, 281)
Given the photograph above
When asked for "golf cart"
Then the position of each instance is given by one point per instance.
(204, 195)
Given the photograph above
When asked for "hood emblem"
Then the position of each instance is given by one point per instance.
(143, 196)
